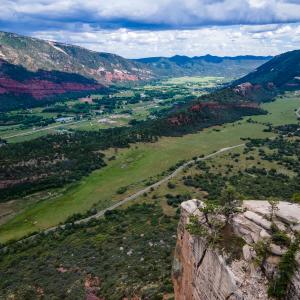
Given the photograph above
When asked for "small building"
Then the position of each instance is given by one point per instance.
(64, 119)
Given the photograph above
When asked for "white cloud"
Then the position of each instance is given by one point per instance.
(172, 13)
(139, 28)
(233, 40)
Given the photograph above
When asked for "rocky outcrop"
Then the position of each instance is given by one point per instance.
(40, 88)
(201, 272)
(246, 88)
(21, 88)
(35, 54)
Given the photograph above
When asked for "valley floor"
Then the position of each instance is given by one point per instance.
(139, 166)
(128, 253)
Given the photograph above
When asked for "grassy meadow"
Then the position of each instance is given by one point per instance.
(133, 167)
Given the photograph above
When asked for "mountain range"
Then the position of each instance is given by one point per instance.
(35, 71)
(208, 65)
(35, 54)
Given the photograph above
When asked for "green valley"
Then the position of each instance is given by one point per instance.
(142, 163)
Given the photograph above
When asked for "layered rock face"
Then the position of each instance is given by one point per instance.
(204, 273)
(40, 89)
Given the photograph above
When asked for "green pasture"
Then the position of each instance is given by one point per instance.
(134, 166)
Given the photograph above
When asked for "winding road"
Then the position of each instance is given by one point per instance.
(135, 195)
(148, 188)
(145, 190)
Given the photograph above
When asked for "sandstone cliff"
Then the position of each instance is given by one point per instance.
(201, 272)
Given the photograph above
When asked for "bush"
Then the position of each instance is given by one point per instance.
(121, 190)
(281, 238)
(287, 266)
(171, 185)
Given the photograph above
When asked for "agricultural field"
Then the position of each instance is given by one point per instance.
(134, 168)
(122, 105)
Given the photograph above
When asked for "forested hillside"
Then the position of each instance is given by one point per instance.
(208, 65)
(280, 74)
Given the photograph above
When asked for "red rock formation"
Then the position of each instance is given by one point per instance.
(210, 105)
(119, 76)
(246, 88)
(184, 118)
(40, 89)
(92, 286)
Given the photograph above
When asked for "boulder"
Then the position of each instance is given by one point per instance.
(277, 250)
(247, 252)
(257, 219)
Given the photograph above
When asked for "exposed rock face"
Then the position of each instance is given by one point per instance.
(35, 54)
(39, 88)
(202, 273)
(245, 88)
(18, 84)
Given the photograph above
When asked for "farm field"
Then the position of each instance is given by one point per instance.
(92, 114)
(134, 167)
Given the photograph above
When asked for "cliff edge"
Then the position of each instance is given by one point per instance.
(249, 261)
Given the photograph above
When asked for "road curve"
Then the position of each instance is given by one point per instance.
(145, 190)
(135, 195)
(148, 188)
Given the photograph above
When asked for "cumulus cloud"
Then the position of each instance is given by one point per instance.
(136, 28)
(151, 13)
(229, 40)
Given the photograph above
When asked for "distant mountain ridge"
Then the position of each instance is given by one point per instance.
(36, 54)
(207, 57)
(47, 71)
(34, 71)
(207, 65)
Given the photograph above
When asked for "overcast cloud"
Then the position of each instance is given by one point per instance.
(138, 28)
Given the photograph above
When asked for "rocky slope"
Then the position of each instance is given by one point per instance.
(35, 54)
(204, 273)
(20, 88)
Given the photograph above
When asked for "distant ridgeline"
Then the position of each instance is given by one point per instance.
(35, 72)
(280, 74)
(208, 65)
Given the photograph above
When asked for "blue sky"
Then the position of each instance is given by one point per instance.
(140, 28)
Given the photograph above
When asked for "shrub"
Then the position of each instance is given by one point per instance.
(281, 238)
(171, 185)
(121, 190)
(287, 266)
